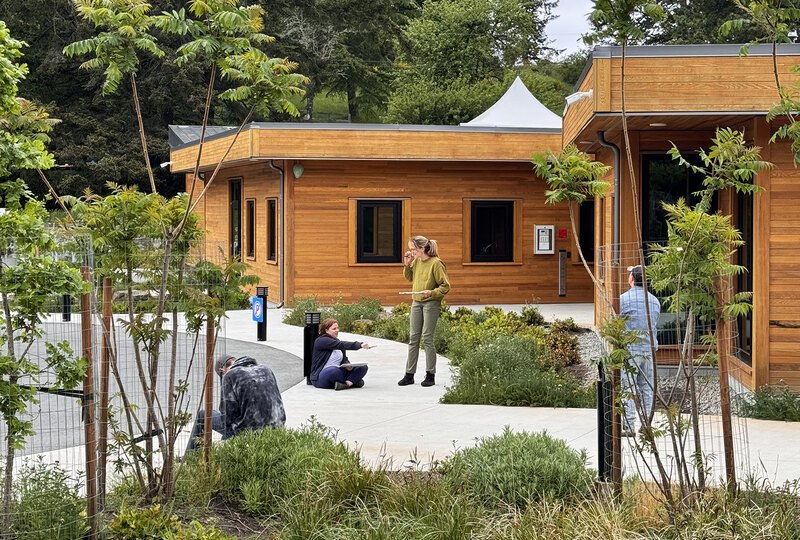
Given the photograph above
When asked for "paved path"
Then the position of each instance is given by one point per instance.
(408, 427)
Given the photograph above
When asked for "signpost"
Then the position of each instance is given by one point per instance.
(259, 306)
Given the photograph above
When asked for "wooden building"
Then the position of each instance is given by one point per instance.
(681, 94)
(327, 209)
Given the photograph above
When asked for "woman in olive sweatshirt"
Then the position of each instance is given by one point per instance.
(428, 276)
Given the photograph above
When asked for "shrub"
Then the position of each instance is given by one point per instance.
(772, 403)
(442, 335)
(46, 504)
(347, 314)
(300, 304)
(462, 312)
(566, 325)
(561, 349)
(517, 468)
(151, 522)
(401, 309)
(532, 316)
(487, 312)
(394, 327)
(267, 469)
(507, 371)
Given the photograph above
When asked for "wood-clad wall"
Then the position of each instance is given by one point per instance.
(436, 192)
(318, 220)
(580, 112)
(778, 208)
(259, 182)
(740, 83)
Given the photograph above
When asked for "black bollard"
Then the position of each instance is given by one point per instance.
(261, 325)
(309, 335)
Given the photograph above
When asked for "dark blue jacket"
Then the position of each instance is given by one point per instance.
(324, 346)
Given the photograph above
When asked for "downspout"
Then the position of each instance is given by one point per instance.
(282, 251)
(601, 138)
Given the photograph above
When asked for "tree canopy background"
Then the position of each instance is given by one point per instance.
(396, 61)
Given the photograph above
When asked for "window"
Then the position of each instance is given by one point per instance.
(492, 236)
(272, 230)
(744, 324)
(586, 229)
(236, 218)
(379, 231)
(251, 228)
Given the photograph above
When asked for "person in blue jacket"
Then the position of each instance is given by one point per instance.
(330, 367)
(641, 310)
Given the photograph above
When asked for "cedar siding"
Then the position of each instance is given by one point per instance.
(681, 95)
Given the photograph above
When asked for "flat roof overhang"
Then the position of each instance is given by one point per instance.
(263, 141)
(671, 123)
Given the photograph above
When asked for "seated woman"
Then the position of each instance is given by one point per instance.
(330, 367)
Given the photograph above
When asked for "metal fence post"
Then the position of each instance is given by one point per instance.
(310, 332)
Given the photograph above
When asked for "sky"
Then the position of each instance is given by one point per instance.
(565, 31)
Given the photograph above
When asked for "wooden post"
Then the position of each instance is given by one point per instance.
(88, 408)
(722, 293)
(105, 362)
(208, 387)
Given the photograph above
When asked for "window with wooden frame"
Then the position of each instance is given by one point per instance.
(235, 214)
(272, 230)
(378, 230)
(492, 231)
(250, 204)
(586, 231)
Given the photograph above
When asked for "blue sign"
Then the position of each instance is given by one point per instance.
(257, 305)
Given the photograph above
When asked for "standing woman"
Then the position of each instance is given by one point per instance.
(428, 277)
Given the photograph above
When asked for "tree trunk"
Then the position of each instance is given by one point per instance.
(352, 103)
(311, 91)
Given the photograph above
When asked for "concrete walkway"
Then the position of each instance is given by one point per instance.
(407, 426)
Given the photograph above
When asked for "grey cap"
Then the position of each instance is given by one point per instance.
(220, 362)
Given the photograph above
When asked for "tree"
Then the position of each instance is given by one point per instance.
(223, 36)
(697, 21)
(97, 141)
(29, 274)
(457, 53)
(573, 176)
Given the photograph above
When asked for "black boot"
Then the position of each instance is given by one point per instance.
(429, 380)
(407, 379)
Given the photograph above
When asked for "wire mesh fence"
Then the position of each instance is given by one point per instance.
(695, 386)
(139, 345)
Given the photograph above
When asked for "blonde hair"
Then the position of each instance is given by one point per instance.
(429, 246)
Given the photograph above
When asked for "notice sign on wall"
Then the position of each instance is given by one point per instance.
(543, 239)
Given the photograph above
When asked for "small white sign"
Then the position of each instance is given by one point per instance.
(544, 239)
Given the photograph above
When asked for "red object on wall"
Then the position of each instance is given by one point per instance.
(562, 234)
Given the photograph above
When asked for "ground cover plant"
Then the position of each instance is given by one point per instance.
(512, 359)
(303, 484)
(772, 403)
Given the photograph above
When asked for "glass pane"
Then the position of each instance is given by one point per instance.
(492, 231)
(272, 230)
(378, 229)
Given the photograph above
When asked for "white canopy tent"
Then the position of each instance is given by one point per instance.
(518, 108)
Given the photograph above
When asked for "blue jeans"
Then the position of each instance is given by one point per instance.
(637, 382)
(329, 376)
(197, 431)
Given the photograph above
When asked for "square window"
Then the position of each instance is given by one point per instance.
(492, 231)
(379, 231)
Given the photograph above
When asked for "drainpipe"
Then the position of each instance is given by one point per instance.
(282, 251)
(601, 138)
